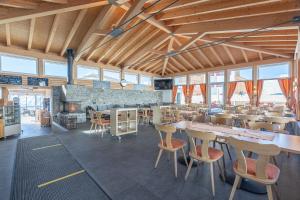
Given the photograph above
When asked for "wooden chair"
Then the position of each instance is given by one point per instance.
(102, 123)
(259, 170)
(147, 115)
(260, 126)
(168, 143)
(204, 153)
(279, 123)
(248, 118)
(93, 120)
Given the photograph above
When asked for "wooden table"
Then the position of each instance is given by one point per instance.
(287, 143)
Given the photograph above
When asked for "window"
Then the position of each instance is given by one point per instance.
(240, 74)
(197, 79)
(197, 95)
(87, 73)
(180, 98)
(180, 80)
(53, 68)
(18, 64)
(217, 94)
(271, 92)
(216, 77)
(145, 80)
(131, 78)
(240, 96)
(112, 76)
(272, 71)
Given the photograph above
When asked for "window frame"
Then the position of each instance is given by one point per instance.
(186, 81)
(268, 65)
(87, 67)
(205, 76)
(150, 77)
(20, 57)
(209, 79)
(131, 74)
(111, 70)
(236, 69)
(54, 61)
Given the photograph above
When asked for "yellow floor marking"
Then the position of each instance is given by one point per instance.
(45, 147)
(61, 178)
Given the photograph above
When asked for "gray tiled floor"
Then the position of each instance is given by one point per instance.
(125, 170)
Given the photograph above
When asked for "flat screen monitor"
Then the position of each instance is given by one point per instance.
(163, 84)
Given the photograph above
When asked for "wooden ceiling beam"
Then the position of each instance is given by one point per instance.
(73, 30)
(144, 16)
(179, 64)
(260, 56)
(297, 49)
(212, 8)
(240, 24)
(52, 32)
(151, 45)
(46, 9)
(146, 39)
(245, 55)
(56, 1)
(213, 51)
(174, 67)
(275, 8)
(229, 54)
(31, 32)
(132, 41)
(249, 48)
(99, 21)
(133, 10)
(19, 4)
(204, 57)
(7, 34)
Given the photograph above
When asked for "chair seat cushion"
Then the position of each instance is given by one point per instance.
(271, 170)
(214, 154)
(176, 143)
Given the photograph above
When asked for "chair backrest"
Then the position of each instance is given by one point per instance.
(260, 126)
(223, 119)
(264, 151)
(205, 137)
(169, 130)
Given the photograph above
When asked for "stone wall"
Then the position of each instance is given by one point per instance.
(99, 97)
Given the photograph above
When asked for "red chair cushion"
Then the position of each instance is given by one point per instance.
(271, 170)
(176, 143)
(213, 153)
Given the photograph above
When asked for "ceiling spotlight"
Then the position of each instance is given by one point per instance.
(116, 32)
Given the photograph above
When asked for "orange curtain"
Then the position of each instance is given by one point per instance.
(184, 90)
(259, 90)
(230, 90)
(174, 93)
(285, 85)
(249, 89)
(203, 91)
(191, 91)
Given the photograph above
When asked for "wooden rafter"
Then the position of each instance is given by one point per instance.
(31, 32)
(7, 34)
(260, 56)
(57, 1)
(297, 49)
(46, 10)
(18, 4)
(204, 57)
(213, 51)
(229, 54)
(240, 24)
(101, 18)
(245, 55)
(170, 48)
(52, 32)
(280, 7)
(73, 30)
(212, 8)
(178, 64)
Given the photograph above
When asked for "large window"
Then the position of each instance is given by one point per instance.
(18, 64)
(131, 78)
(145, 80)
(240, 74)
(53, 68)
(197, 79)
(87, 73)
(271, 91)
(180, 98)
(274, 71)
(216, 87)
(111, 75)
(197, 95)
(180, 80)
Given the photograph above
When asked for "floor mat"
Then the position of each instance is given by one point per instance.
(45, 170)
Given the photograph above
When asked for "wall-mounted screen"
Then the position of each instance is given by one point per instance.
(163, 84)
(37, 81)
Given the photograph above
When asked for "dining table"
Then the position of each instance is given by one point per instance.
(287, 143)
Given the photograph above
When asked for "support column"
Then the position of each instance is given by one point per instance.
(40, 67)
(189, 100)
(207, 100)
(297, 63)
(255, 78)
(226, 80)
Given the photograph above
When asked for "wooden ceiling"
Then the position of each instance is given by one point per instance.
(162, 37)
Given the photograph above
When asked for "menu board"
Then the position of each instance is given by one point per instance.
(37, 81)
(13, 80)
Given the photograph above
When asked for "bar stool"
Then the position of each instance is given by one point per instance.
(259, 170)
(102, 123)
(169, 143)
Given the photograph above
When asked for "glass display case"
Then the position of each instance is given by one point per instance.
(11, 117)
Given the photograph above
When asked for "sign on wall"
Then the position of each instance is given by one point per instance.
(37, 81)
(13, 80)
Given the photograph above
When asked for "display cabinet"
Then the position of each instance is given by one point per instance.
(123, 121)
(11, 120)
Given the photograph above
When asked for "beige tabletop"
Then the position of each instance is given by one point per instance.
(288, 143)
